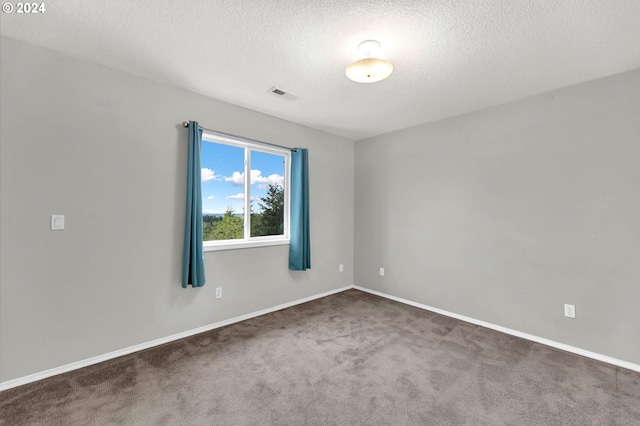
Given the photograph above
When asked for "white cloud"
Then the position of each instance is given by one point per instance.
(264, 182)
(256, 178)
(238, 196)
(208, 212)
(211, 197)
(207, 174)
(237, 178)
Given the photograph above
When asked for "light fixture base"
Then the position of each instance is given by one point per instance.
(369, 47)
(369, 69)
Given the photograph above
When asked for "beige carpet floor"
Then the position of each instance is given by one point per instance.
(346, 359)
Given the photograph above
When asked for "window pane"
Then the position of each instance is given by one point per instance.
(267, 194)
(222, 192)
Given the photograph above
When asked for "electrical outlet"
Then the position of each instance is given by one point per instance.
(218, 292)
(570, 311)
(341, 268)
(382, 272)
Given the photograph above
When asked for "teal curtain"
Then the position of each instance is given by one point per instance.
(193, 251)
(300, 245)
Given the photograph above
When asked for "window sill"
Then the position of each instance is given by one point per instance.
(234, 245)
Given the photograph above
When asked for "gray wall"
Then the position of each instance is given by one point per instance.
(505, 214)
(106, 149)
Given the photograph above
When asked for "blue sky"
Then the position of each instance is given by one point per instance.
(223, 176)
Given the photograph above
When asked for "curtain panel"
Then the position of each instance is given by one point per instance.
(300, 244)
(193, 250)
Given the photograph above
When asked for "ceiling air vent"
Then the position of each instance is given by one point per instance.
(283, 94)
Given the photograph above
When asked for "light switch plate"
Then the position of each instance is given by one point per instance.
(57, 222)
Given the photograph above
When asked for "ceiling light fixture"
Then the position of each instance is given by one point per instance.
(369, 69)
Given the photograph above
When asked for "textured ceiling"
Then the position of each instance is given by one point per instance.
(450, 56)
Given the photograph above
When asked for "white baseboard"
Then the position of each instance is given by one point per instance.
(105, 357)
(553, 344)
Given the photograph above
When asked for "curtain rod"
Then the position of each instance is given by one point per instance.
(229, 135)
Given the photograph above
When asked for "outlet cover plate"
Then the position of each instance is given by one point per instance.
(569, 311)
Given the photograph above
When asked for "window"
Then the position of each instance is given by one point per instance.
(240, 176)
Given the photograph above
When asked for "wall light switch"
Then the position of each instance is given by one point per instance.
(57, 222)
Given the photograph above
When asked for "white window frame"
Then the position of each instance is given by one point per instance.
(248, 241)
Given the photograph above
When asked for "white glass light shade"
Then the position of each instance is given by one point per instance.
(369, 70)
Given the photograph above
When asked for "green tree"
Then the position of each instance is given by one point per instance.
(256, 222)
(231, 227)
(209, 225)
(271, 220)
